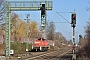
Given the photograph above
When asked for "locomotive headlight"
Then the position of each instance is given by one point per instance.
(36, 42)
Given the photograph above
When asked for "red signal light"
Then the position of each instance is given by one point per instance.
(74, 16)
(43, 12)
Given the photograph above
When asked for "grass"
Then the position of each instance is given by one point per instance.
(16, 46)
(20, 47)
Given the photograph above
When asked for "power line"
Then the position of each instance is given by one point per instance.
(36, 3)
(63, 22)
(60, 22)
(64, 18)
(64, 29)
(61, 16)
(65, 12)
(66, 32)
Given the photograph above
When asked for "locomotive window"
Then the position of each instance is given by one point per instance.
(43, 39)
(39, 39)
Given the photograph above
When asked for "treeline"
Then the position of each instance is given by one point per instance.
(18, 27)
(84, 49)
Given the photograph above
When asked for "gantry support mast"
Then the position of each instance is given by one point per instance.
(22, 6)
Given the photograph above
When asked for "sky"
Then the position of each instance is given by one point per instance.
(63, 7)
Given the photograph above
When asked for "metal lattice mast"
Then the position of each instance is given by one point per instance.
(27, 33)
(7, 29)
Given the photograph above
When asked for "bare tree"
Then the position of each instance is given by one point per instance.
(2, 11)
(88, 8)
(51, 31)
(2, 14)
(85, 42)
(88, 32)
(70, 42)
(58, 36)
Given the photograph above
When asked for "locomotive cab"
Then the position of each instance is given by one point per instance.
(40, 44)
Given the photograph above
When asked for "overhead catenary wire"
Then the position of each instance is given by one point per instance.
(63, 22)
(65, 12)
(62, 16)
(36, 3)
(67, 33)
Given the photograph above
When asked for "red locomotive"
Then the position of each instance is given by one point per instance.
(40, 45)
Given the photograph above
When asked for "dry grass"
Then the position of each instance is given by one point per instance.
(17, 47)
(2, 48)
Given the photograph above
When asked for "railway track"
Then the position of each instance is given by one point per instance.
(38, 55)
(54, 55)
(60, 54)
